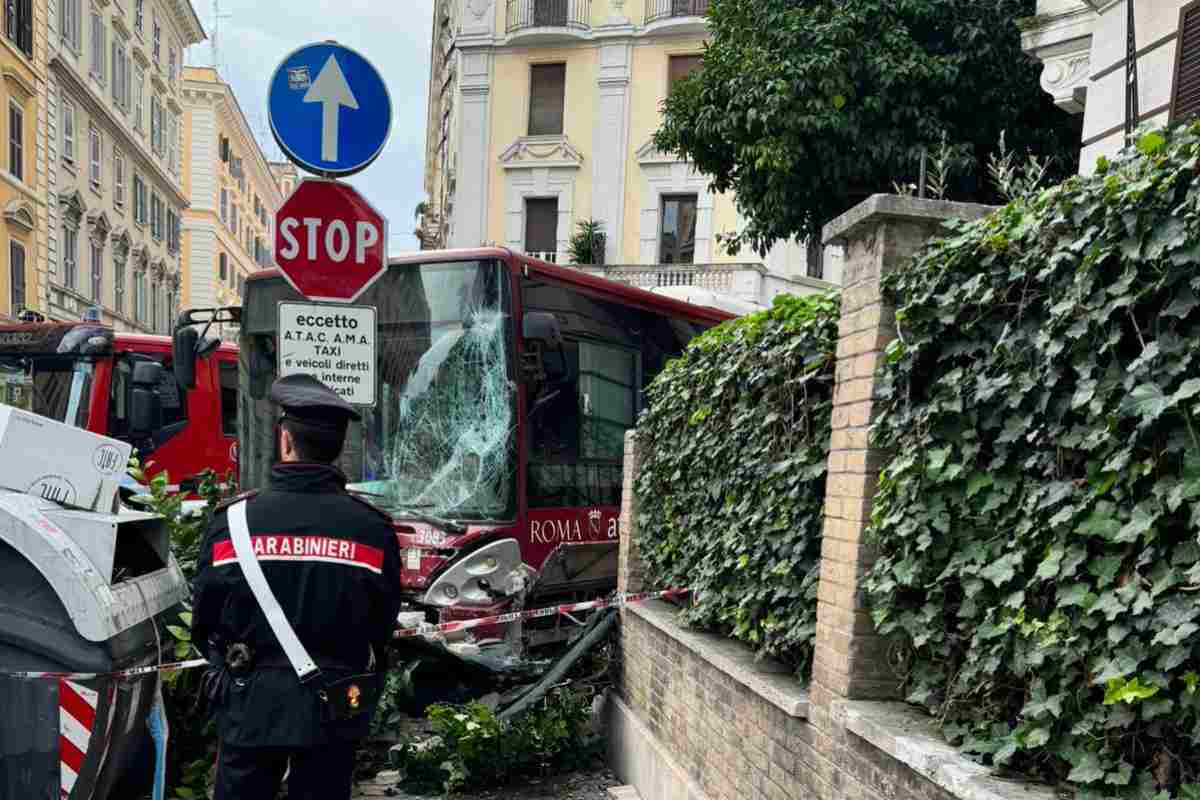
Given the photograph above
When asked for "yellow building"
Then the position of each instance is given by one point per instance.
(227, 230)
(21, 54)
(541, 115)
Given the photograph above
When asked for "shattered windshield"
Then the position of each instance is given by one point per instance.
(54, 386)
(440, 441)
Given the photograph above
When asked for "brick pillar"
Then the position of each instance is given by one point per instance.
(631, 575)
(878, 235)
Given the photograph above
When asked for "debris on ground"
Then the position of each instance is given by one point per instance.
(582, 785)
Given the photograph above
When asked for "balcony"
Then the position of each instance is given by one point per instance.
(659, 10)
(548, 20)
(751, 285)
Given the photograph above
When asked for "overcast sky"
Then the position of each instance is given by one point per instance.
(393, 34)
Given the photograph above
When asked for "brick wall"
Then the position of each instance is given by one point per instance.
(694, 719)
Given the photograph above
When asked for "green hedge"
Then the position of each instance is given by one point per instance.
(731, 488)
(1038, 524)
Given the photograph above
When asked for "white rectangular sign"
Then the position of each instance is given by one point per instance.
(334, 344)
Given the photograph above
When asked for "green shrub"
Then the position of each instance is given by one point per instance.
(1037, 526)
(731, 486)
(473, 748)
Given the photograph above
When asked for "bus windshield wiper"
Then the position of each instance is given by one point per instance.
(452, 526)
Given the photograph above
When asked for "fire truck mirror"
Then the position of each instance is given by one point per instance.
(145, 403)
(183, 359)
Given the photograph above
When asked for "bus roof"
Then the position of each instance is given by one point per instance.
(567, 276)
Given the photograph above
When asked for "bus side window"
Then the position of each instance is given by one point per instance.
(578, 433)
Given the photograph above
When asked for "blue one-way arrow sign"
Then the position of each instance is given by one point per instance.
(329, 109)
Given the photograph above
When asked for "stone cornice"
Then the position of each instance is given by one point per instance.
(185, 21)
(529, 152)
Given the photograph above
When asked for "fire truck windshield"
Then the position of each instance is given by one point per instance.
(55, 386)
(440, 442)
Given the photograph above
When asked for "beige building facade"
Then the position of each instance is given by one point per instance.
(1083, 45)
(232, 192)
(541, 115)
(22, 47)
(110, 146)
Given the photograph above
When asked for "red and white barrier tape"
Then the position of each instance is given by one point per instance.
(536, 613)
(425, 630)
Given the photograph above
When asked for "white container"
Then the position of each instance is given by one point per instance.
(60, 462)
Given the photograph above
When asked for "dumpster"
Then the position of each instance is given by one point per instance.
(80, 592)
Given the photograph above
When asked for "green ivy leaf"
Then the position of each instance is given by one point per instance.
(1119, 690)
(1146, 401)
(1085, 768)
(1151, 143)
(1002, 570)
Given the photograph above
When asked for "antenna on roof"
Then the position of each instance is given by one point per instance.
(216, 34)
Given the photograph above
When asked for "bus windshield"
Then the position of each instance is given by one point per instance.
(440, 441)
(54, 386)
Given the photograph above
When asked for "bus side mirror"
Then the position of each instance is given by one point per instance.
(542, 326)
(183, 356)
(145, 403)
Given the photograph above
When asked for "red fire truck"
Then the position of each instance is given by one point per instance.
(83, 373)
(504, 387)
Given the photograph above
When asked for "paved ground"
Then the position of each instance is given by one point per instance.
(572, 786)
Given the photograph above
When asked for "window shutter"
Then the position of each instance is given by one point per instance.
(26, 32)
(1185, 94)
(547, 86)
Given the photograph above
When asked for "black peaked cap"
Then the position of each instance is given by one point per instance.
(306, 399)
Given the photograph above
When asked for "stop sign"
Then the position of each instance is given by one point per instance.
(330, 243)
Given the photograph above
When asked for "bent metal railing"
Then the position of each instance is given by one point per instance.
(665, 9)
(524, 14)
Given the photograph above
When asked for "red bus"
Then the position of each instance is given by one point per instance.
(81, 373)
(504, 389)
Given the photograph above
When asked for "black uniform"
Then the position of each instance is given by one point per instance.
(333, 562)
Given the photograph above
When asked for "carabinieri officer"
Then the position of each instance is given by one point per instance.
(332, 562)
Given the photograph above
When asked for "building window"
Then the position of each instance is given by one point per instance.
(70, 13)
(679, 67)
(16, 141)
(139, 295)
(139, 15)
(677, 232)
(139, 106)
(172, 232)
(233, 220)
(18, 25)
(547, 91)
(173, 144)
(225, 205)
(16, 273)
(153, 320)
(156, 42)
(156, 125)
(68, 131)
(171, 56)
(118, 180)
(99, 46)
(122, 83)
(156, 213)
(541, 227)
(97, 265)
(223, 267)
(70, 255)
(118, 285)
(139, 200)
(95, 156)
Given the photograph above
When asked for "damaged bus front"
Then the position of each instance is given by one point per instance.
(504, 387)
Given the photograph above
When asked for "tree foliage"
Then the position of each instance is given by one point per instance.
(731, 486)
(1038, 528)
(805, 107)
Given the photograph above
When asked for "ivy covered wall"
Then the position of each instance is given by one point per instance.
(1038, 526)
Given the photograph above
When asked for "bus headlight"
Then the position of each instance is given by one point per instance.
(465, 582)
